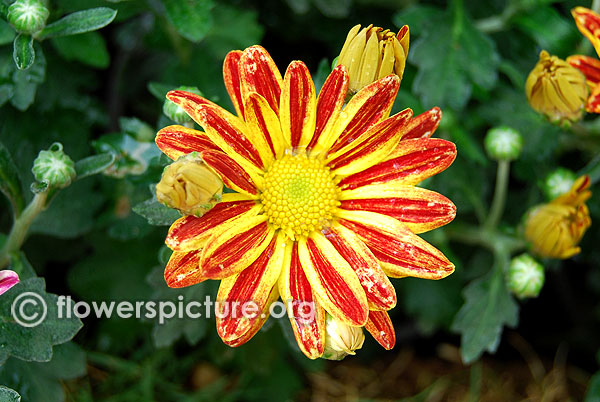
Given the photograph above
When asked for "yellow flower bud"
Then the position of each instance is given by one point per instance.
(189, 186)
(556, 89)
(555, 229)
(341, 339)
(372, 53)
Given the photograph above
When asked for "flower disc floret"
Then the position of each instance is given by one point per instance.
(300, 195)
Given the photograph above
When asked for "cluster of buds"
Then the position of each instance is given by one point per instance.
(556, 228)
(189, 186)
(54, 167)
(372, 53)
(28, 16)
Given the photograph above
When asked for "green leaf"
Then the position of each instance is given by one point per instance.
(23, 52)
(156, 213)
(33, 343)
(468, 145)
(549, 29)
(334, 8)
(192, 329)
(9, 395)
(7, 33)
(10, 183)
(133, 156)
(593, 390)
(224, 36)
(137, 129)
(417, 17)
(88, 48)
(299, 6)
(451, 58)
(43, 381)
(79, 22)
(159, 89)
(27, 81)
(93, 165)
(488, 307)
(191, 18)
(20, 264)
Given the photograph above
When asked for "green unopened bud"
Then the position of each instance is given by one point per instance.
(525, 276)
(341, 339)
(54, 167)
(503, 143)
(558, 182)
(28, 16)
(176, 113)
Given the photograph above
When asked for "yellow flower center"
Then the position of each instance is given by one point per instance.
(300, 195)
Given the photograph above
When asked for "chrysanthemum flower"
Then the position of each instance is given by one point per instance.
(588, 23)
(325, 205)
(556, 228)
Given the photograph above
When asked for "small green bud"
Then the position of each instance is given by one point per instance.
(503, 143)
(174, 112)
(525, 276)
(28, 16)
(558, 182)
(54, 167)
(341, 339)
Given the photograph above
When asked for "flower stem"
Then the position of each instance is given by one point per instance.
(499, 194)
(21, 226)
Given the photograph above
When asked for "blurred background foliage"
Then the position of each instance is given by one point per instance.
(102, 92)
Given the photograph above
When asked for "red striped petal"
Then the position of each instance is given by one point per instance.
(330, 102)
(298, 105)
(243, 297)
(370, 147)
(176, 141)
(367, 108)
(593, 102)
(412, 162)
(399, 251)
(588, 23)
(273, 296)
(333, 281)
(223, 128)
(191, 232)
(306, 316)
(378, 288)
(381, 328)
(423, 125)
(419, 209)
(258, 73)
(183, 269)
(232, 174)
(589, 66)
(263, 120)
(231, 76)
(236, 246)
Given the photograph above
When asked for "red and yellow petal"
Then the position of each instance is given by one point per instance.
(381, 328)
(258, 73)
(371, 147)
(329, 104)
(257, 325)
(589, 66)
(176, 141)
(224, 129)
(588, 23)
(264, 122)
(234, 246)
(298, 106)
(410, 163)
(231, 77)
(183, 269)
(419, 209)
(399, 251)
(593, 103)
(242, 297)
(306, 315)
(232, 174)
(191, 232)
(423, 125)
(378, 288)
(334, 282)
(367, 108)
